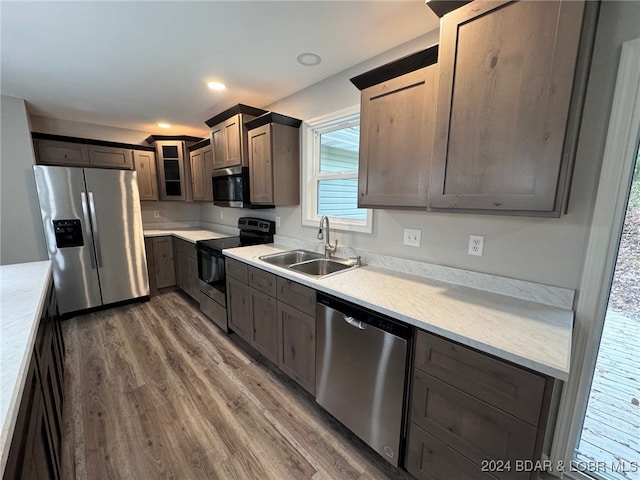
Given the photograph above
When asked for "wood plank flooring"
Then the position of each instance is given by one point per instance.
(154, 390)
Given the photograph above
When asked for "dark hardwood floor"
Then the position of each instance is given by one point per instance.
(154, 390)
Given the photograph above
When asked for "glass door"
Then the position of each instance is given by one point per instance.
(609, 442)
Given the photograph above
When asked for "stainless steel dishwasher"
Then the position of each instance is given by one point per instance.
(361, 368)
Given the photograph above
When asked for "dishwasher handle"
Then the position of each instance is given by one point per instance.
(354, 323)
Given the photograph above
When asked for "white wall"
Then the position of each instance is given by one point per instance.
(57, 126)
(21, 233)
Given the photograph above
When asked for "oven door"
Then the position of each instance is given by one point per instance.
(211, 274)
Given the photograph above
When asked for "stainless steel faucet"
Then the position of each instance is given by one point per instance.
(328, 248)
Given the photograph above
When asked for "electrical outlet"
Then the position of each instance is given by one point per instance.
(412, 237)
(221, 214)
(476, 245)
(156, 214)
(277, 221)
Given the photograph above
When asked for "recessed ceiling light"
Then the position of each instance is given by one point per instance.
(164, 125)
(309, 59)
(216, 86)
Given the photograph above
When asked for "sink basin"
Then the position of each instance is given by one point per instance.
(284, 259)
(310, 263)
(320, 267)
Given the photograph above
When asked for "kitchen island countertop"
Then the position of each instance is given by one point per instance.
(23, 290)
(524, 332)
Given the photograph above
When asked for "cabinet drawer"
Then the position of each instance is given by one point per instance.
(110, 157)
(430, 459)
(263, 281)
(51, 152)
(237, 269)
(471, 427)
(298, 296)
(511, 389)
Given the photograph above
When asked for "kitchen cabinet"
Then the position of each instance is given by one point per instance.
(144, 163)
(506, 77)
(229, 135)
(110, 157)
(275, 316)
(163, 261)
(151, 266)
(36, 443)
(274, 160)
(239, 308)
(201, 160)
(297, 345)
(81, 152)
(173, 167)
(397, 125)
(186, 264)
(467, 407)
(264, 313)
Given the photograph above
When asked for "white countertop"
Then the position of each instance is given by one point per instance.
(527, 333)
(23, 289)
(190, 235)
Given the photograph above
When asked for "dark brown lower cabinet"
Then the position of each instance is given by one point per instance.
(457, 429)
(431, 459)
(275, 316)
(37, 437)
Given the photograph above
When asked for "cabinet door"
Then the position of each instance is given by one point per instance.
(192, 281)
(145, 165)
(110, 157)
(164, 262)
(197, 174)
(151, 266)
(171, 170)
(201, 168)
(218, 146)
(239, 308)
(397, 126)
(260, 165)
(233, 141)
(52, 152)
(297, 346)
(264, 331)
(207, 158)
(505, 83)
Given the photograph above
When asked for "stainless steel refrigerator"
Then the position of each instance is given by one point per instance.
(93, 227)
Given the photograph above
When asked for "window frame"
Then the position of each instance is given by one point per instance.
(311, 131)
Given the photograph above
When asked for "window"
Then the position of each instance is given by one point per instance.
(330, 169)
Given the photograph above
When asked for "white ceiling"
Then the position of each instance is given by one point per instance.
(134, 64)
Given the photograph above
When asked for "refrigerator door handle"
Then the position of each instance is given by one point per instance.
(87, 224)
(96, 234)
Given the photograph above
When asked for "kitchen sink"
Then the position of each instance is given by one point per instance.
(284, 259)
(321, 267)
(309, 263)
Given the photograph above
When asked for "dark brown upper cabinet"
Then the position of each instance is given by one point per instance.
(229, 135)
(274, 160)
(397, 115)
(174, 169)
(504, 103)
(201, 163)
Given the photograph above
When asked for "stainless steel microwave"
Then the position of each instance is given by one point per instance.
(231, 187)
